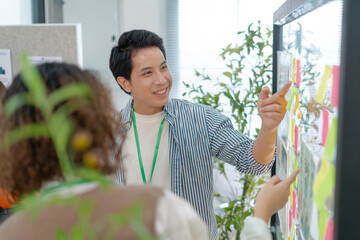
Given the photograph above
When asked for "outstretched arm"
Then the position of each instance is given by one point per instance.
(272, 110)
(273, 196)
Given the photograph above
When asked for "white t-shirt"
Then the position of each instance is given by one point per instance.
(147, 129)
(255, 229)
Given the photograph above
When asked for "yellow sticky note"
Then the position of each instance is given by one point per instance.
(299, 114)
(294, 70)
(320, 96)
(322, 173)
(297, 103)
(331, 140)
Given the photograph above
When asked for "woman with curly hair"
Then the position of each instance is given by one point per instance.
(32, 165)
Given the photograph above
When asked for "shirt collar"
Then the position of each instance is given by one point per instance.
(127, 115)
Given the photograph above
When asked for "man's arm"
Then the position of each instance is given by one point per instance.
(272, 110)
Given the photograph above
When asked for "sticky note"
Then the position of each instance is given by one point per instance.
(329, 233)
(299, 114)
(324, 168)
(320, 96)
(298, 73)
(331, 140)
(322, 221)
(294, 68)
(294, 202)
(325, 189)
(294, 90)
(335, 86)
(296, 139)
(297, 103)
(325, 126)
(293, 131)
(326, 186)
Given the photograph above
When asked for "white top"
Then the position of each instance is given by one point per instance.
(175, 219)
(255, 229)
(148, 129)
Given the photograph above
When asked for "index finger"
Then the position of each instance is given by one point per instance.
(284, 89)
(292, 177)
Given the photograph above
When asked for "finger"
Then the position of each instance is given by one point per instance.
(273, 99)
(274, 180)
(264, 93)
(273, 108)
(284, 89)
(292, 177)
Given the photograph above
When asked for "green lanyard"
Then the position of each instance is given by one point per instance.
(138, 148)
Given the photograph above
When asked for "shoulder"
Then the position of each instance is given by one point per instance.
(177, 217)
(184, 106)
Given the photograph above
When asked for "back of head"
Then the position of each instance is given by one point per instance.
(26, 165)
(129, 42)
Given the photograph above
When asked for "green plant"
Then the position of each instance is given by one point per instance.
(58, 126)
(249, 69)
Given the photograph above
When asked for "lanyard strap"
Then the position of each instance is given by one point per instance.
(138, 148)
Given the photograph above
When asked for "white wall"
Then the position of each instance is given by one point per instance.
(15, 12)
(103, 20)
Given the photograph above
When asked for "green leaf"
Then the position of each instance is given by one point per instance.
(33, 81)
(77, 233)
(16, 102)
(60, 235)
(228, 74)
(69, 91)
(30, 130)
(93, 175)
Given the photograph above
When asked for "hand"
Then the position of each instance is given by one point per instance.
(273, 196)
(272, 109)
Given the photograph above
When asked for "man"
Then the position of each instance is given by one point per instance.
(171, 143)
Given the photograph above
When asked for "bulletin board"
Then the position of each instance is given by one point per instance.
(309, 50)
(57, 41)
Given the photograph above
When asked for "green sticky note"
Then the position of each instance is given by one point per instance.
(294, 90)
(321, 195)
(331, 140)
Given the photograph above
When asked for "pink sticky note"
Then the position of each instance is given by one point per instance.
(335, 85)
(296, 139)
(294, 205)
(298, 73)
(329, 234)
(325, 126)
(290, 220)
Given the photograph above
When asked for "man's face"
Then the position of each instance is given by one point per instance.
(151, 81)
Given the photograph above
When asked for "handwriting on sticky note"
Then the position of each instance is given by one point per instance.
(320, 96)
(335, 85)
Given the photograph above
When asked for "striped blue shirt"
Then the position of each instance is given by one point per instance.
(196, 134)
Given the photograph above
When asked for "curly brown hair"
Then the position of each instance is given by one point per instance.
(26, 165)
